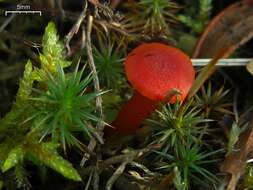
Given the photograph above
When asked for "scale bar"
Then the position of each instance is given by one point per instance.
(223, 62)
(20, 12)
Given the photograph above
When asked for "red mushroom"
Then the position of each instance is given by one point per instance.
(153, 69)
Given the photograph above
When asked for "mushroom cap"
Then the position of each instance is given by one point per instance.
(153, 69)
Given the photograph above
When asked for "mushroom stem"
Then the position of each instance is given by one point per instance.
(133, 113)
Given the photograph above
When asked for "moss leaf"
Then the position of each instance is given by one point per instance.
(47, 154)
(25, 85)
(53, 49)
(15, 156)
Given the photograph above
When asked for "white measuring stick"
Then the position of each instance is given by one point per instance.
(22, 12)
(223, 62)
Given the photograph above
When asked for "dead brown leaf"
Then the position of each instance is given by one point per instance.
(166, 181)
(234, 163)
(94, 2)
(249, 67)
(226, 32)
(230, 28)
(206, 72)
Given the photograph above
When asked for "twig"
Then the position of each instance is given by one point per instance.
(116, 175)
(7, 21)
(101, 165)
(59, 4)
(117, 159)
(91, 146)
(96, 179)
(116, 26)
(100, 125)
(96, 134)
(83, 40)
(150, 181)
(143, 168)
(88, 182)
(127, 158)
(87, 150)
(75, 28)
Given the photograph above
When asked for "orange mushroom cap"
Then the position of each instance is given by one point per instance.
(153, 69)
